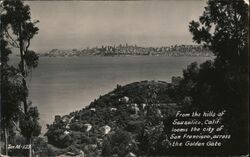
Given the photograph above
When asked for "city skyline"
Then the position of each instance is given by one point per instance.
(81, 24)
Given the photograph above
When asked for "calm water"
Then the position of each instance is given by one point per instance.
(61, 85)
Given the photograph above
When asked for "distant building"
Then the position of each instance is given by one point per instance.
(66, 132)
(135, 108)
(113, 109)
(176, 80)
(93, 109)
(57, 118)
(105, 129)
(143, 106)
(124, 99)
(65, 118)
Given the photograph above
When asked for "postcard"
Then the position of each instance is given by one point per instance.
(124, 78)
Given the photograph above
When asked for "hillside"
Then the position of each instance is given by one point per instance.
(118, 123)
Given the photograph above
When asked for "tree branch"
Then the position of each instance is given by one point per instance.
(14, 43)
(27, 46)
(16, 127)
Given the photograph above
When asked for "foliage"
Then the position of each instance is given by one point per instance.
(10, 105)
(5, 51)
(119, 143)
(223, 27)
(55, 131)
(31, 59)
(41, 148)
(29, 123)
(9, 87)
(152, 138)
(222, 83)
(16, 16)
(17, 30)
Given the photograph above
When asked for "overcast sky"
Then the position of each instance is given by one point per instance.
(80, 24)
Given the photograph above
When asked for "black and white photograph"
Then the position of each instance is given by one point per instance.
(124, 78)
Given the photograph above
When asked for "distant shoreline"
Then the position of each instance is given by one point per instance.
(70, 56)
(132, 50)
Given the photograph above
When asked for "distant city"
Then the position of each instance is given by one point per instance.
(132, 50)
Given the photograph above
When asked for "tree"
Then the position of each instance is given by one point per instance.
(223, 28)
(11, 91)
(29, 124)
(10, 105)
(16, 18)
(152, 138)
(17, 30)
(119, 143)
